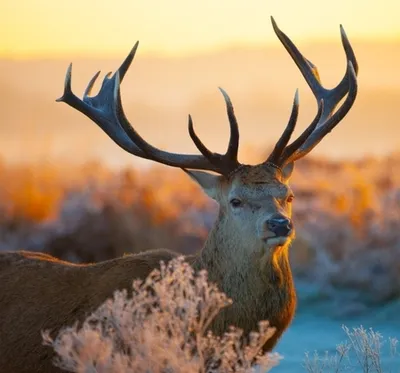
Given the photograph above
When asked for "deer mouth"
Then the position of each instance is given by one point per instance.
(277, 240)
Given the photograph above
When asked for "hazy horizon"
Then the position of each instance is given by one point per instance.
(159, 92)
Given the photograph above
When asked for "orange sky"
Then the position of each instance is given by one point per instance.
(50, 28)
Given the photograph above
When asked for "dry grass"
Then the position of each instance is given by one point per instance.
(162, 328)
(362, 352)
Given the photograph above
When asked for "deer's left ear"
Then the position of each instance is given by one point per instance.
(287, 171)
(210, 183)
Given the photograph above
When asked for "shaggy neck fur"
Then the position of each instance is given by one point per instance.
(258, 280)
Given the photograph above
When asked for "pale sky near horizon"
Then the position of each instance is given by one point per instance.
(52, 28)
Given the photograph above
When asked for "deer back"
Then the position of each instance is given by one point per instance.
(39, 292)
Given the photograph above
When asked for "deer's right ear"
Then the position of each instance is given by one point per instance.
(210, 183)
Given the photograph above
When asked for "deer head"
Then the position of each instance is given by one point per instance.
(255, 201)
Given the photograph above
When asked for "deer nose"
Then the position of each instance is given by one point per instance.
(280, 225)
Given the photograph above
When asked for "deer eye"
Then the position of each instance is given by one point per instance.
(290, 198)
(235, 202)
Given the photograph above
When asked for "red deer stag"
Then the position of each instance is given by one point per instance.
(246, 252)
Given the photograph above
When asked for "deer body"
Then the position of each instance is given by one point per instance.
(246, 252)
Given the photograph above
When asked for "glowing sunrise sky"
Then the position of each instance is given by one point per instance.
(51, 28)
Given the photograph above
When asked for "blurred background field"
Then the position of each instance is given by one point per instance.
(345, 258)
(68, 190)
(347, 215)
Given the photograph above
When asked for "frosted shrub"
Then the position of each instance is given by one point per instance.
(362, 352)
(162, 328)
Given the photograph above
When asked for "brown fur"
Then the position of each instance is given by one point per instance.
(39, 292)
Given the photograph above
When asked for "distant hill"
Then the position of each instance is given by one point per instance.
(159, 92)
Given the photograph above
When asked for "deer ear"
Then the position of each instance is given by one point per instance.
(287, 170)
(210, 183)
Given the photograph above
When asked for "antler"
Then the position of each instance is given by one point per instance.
(326, 118)
(106, 110)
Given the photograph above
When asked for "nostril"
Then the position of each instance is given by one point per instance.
(280, 226)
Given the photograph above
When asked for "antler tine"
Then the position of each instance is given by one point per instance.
(199, 144)
(67, 86)
(343, 86)
(307, 68)
(326, 118)
(122, 70)
(290, 149)
(89, 87)
(287, 133)
(228, 161)
(233, 146)
(106, 110)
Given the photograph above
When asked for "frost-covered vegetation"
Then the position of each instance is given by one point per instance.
(361, 352)
(347, 216)
(162, 327)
